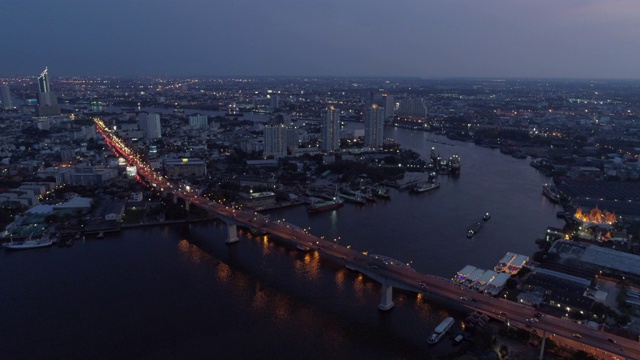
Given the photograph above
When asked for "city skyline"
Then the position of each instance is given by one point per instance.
(542, 39)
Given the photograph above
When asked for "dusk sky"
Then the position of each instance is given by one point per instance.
(424, 38)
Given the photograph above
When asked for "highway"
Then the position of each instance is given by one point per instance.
(561, 330)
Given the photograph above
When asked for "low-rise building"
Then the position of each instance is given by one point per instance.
(258, 199)
(185, 167)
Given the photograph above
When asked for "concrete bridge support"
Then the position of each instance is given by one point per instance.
(544, 340)
(386, 300)
(175, 198)
(232, 233)
(186, 205)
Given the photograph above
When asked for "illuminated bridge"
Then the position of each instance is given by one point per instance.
(390, 273)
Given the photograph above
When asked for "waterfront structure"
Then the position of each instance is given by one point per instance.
(278, 139)
(516, 264)
(462, 275)
(496, 285)
(374, 126)
(596, 258)
(413, 108)
(484, 279)
(47, 101)
(330, 128)
(5, 92)
(198, 121)
(504, 262)
(176, 168)
(257, 199)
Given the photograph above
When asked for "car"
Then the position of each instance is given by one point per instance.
(533, 319)
(464, 298)
(611, 340)
(502, 313)
(538, 315)
(577, 336)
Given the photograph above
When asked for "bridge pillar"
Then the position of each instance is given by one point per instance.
(386, 300)
(175, 198)
(544, 340)
(232, 233)
(186, 205)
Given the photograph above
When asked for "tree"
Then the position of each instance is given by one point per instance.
(583, 355)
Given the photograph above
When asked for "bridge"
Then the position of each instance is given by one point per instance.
(388, 272)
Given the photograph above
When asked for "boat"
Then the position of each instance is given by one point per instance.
(424, 187)
(382, 193)
(257, 232)
(303, 247)
(486, 217)
(440, 330)
(551, 192)
(473, 229)
(356, 199)
(28, 244)
(454, 164)
(316, 207)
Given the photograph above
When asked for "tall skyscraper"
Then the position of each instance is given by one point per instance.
(47, 101)
(43, 81)
(330, 129)
(374, 126)
(274, 102)
(6, 97)
(152, 126)
(198, 121)
(278, 139)
(389, 105)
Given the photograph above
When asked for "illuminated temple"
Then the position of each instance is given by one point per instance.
(595, 217)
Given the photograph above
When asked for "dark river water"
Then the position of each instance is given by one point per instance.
(180, 292)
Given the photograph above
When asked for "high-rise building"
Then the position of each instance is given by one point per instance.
(152, 126)
(275, 102)
(142, 121)
(6, 97)
(47, 101)
(374, 126)
(198, 121)
(43, 81)
(373, 98)
(330, 127)
(389, 105)
(414, 108)
(278, 139)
